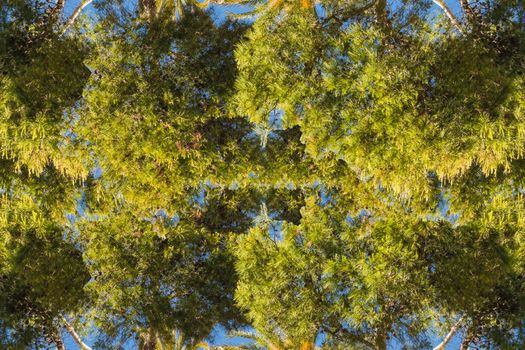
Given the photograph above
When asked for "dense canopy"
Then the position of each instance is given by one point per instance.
(303, 174)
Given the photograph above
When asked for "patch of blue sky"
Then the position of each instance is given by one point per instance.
(234, 186)
(290, 186)
(96, 172)
(199, 199)
(276, 231)
(325, 198)
(443, 212)
(221, 12)
(352, 220)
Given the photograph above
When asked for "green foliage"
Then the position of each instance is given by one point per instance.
(42, 278)
(336, 175)
(155, 110)
(432, 102)
(355, 283)
(42, 76)
(42, 272)
(152, 274)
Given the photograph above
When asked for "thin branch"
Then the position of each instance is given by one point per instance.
(56, 11)
(450, 15)
(75, 335)
(472, 14)
(466, 8)
(341, 17)
(75, 14)
(450, 334)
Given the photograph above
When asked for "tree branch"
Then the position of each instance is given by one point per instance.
(450, 334)
(450, 15)
(59, 342)
(75, 335)
(466, 8)
(75, 14)
(56, 11)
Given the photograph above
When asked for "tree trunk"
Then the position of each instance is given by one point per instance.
(150, 340)
(469, 337)
(56, 11)
(450, 15)
(381, 14)
(71, 20)
(75, 335)
(450, 334)
(384, 24)
(57, 339)
(465, 343)
(150, 8)
(380, 341)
